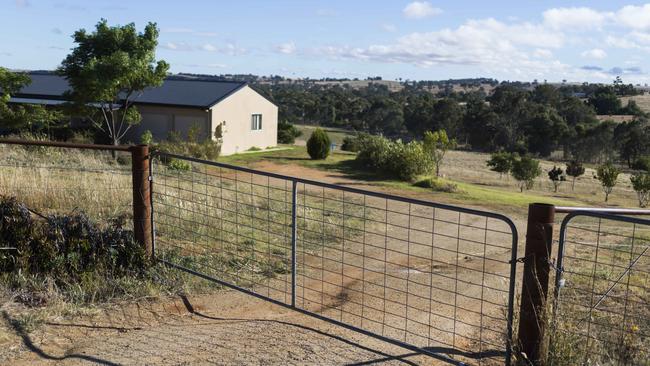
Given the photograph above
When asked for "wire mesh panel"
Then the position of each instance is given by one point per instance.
(602, 312)
(52, 180)
(226, 224)
(433, 278)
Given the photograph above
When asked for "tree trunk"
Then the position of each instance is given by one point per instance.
(573, 184)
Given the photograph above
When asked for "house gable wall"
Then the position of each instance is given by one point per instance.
(236, 111)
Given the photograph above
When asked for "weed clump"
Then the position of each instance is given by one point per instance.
(67, 250)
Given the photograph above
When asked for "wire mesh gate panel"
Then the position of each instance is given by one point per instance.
(602, 310)
(433, 278)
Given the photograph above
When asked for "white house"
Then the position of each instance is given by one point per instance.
(248, 119)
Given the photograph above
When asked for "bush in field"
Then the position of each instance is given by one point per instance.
(607, 174)
(287, 133)
(501, 162)
(642, 163)
(574, 169)
(641, 185)
(556, 175)
(318, 145)
(352, 143)
(525, 170)
(394, 159)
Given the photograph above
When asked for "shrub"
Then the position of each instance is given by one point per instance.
(254, 148)
(641, 185)
(607, 174)
(66, 247)
(436, 185)
(394, 159)
(501, 162)
(373, 152)
(352, 143)
(287, 133)
(179, 165)
(556, 175)
(574, 169)
(146, 138)
(318, 145)
(642, 163)
(525, 170)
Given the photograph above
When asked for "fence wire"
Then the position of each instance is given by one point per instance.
(602, 312)
(52, 180)
(433, 277)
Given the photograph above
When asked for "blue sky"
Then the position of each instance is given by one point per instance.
(507, 40)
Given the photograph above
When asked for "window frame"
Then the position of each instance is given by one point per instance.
(256, 123)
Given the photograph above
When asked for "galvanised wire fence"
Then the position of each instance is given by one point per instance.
(602, 303)
(433, 278)
(55, 180)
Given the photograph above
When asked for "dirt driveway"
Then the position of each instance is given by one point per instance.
(228, 328)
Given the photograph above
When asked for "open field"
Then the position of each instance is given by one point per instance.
(642, 100)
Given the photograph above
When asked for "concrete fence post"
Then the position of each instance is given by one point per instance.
(539, 240)
(141, 197)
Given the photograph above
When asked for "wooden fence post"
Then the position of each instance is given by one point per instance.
(539, 240)
(141, 197)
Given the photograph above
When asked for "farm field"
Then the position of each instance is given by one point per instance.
(255, 256)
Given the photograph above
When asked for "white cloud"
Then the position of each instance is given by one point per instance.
(286, 48)
(488, 44)
(232, 49)
(420, 10)
(595, 53)
(389, 27)
(543, 53)
(576, 18)
(636, 17)
(208, 47)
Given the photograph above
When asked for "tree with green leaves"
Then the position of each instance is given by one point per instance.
(556, 175)
(32, 117)
(525, 170)
(574, 169)
(318, 145)
(107, 70)
(501, 162)
(607, 174)
(437, 144)
(641, 184)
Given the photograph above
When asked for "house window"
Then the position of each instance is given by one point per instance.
(256, 122)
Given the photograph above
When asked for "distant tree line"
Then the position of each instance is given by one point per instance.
(513, 117)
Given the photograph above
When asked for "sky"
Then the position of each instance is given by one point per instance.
(523, 40)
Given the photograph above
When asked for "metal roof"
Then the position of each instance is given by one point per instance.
(173, 92)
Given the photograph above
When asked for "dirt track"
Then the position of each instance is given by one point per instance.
(224, 329)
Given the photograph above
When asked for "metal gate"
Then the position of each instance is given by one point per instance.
(602, 291)
(432, 278)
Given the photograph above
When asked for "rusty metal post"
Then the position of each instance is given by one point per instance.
(141, 196)
(539, 240)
